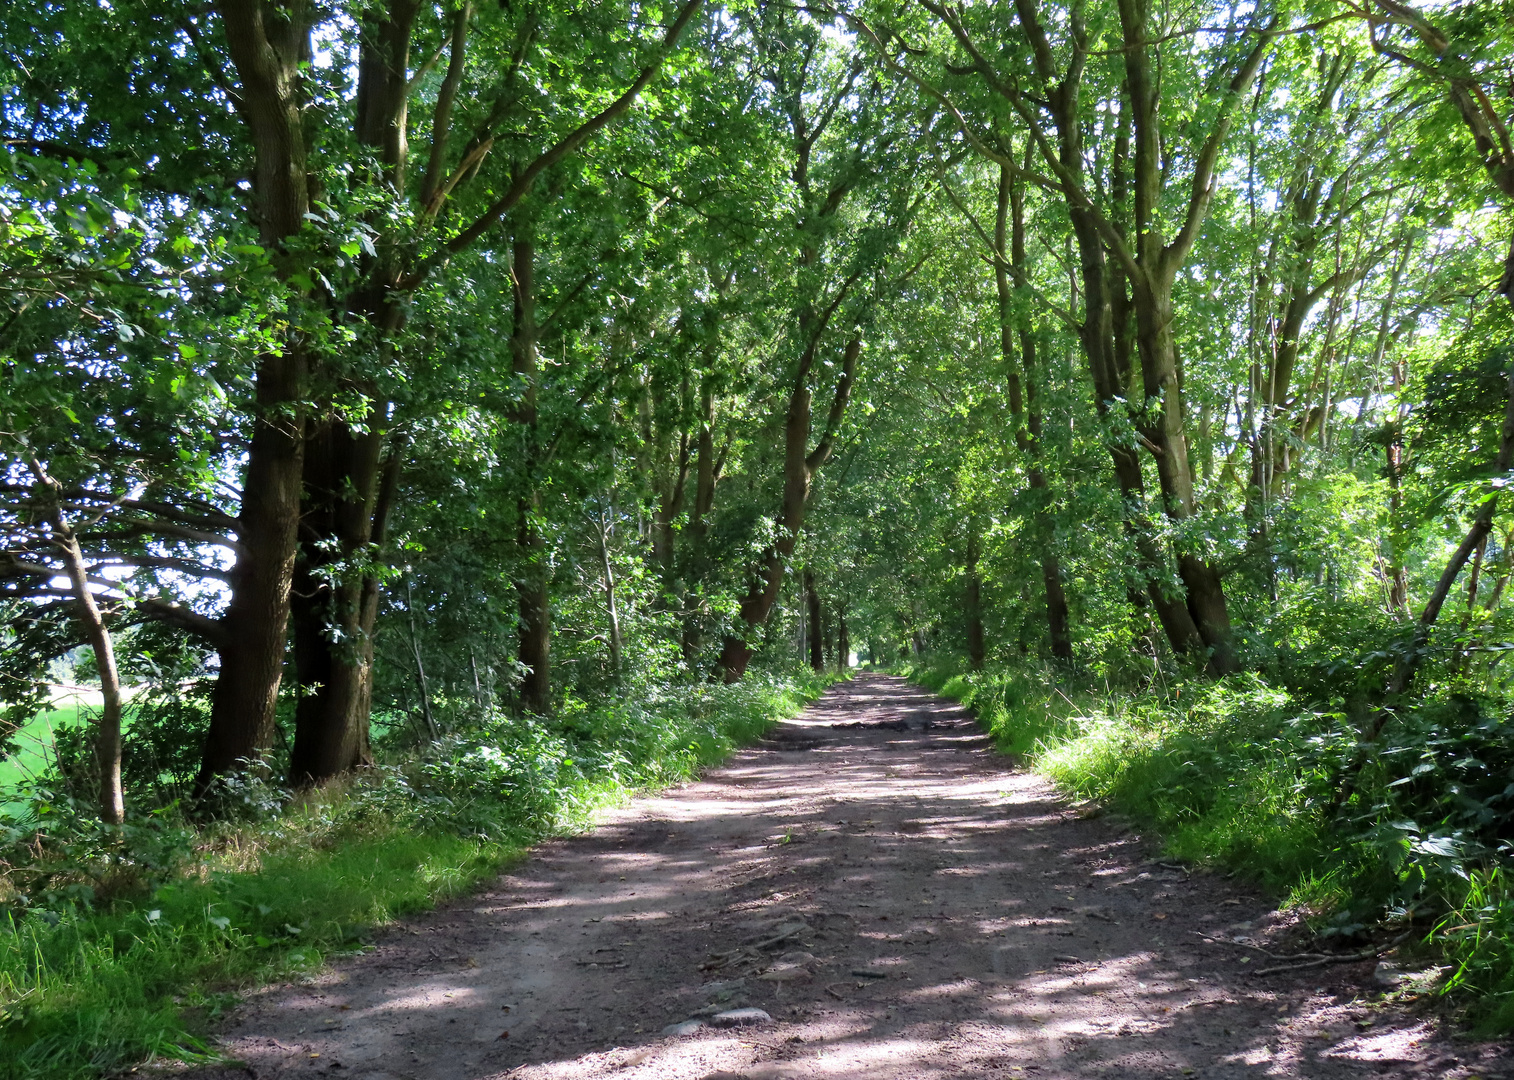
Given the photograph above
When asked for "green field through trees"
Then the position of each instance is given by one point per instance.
(429, 419)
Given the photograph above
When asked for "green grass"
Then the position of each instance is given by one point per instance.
(105, 990)
(33, 753)
(34, 746)
(90, 988)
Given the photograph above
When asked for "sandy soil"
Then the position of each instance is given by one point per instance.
(896, 897)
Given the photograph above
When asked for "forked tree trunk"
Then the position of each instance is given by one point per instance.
(269, 45)
(1152, 266)
(348, 497)
(267, 56)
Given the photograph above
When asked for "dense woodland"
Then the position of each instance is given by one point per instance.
(396, 379)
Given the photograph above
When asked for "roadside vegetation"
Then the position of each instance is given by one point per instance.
(1246, 775)
(122, 945)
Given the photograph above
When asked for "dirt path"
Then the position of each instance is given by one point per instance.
(940, 915)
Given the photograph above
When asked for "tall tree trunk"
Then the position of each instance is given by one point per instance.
(245, 699)
(972, 601)
(812, 618)
(799, 466)
(612, 609)
(348, 495)
(343, 508)
(1167, 434)
(534, 601)
(267, 55)
(1024, 400)
(843, 643)
(1152, 267)
(707, 468)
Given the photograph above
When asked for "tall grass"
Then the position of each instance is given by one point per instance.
(118, 950)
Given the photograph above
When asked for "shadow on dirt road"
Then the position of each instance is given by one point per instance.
(895, 897)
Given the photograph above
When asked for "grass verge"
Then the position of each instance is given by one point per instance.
(119, 948)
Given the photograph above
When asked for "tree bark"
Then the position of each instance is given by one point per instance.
(1103, 330)
(534, 601)
(268, 44)
(348, 497)
(612, 609)
(972, 601)
(799, 466)
(107, 741)
(267, 54)
(1153, 267)
(812, 617)
(707, 469)
(433, 731)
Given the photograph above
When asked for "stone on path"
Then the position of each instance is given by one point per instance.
(740, 1018)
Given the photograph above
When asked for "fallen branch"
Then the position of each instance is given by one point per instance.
(1343, 958)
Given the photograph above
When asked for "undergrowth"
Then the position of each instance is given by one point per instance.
(118, 946)
(1247, 775)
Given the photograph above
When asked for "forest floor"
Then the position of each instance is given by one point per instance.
(897, 899)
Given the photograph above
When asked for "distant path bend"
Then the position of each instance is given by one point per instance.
(893, 894)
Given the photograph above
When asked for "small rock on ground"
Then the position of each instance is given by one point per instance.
(740, 1018)
(686, 1027)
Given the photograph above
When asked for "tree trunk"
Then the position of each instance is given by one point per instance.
(706, 475)
(433, 731)
(812, 612)
(799, 467)
(1152, 268)
(245, 699)
(107, 741)
(348, 495)
(611, 608)
(534, 601)
(1167, 434)
(1024, 403)
(843, 643)
(972, 602)
(268, 56)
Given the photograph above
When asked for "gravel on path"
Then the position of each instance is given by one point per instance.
(869, 892)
